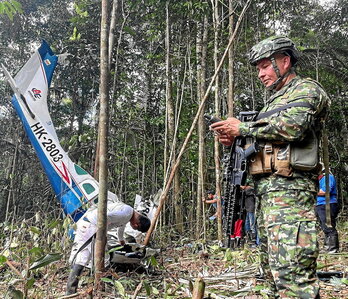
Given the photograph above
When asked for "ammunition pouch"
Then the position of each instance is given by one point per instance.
(282, 159)
(261, 163)
(304, 155)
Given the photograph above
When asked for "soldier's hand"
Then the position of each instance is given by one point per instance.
(226, 130)
(225, 139)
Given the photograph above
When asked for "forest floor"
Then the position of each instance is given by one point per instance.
(172, 274)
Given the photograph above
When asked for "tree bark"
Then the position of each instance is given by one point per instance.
(199, 206)
(201, 125)
(217, 113)
(113, 22)
(11, 176)
(230, 63)
(125, 17)
(198, 289)
(103, 147)
(171, 121)
(169, 96)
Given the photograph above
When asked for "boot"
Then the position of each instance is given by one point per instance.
(73, 280)
(333, 244)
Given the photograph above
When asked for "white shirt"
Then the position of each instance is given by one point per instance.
(118, 215)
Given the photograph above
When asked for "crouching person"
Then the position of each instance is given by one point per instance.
(118, 215)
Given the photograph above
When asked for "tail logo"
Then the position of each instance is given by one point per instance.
(36, 93)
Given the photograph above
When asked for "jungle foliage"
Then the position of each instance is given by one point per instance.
(138, 90)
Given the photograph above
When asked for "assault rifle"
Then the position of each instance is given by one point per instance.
(235, 173)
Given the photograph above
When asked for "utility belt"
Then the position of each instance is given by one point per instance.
(283, 159)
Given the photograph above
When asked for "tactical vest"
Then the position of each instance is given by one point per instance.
(282, 159)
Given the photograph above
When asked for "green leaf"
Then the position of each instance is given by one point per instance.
(36, 251)
(9, 10)
(107, 280)
(120, 288)
(153, 261)
(114, 249)
(17, 6)
(30, 282)
(79, 10)
(46, 260)
(155, 291)
(321, 266)
(339, 282)
(345, 281)
(14, 294)
(75, 36)
(3, 259)
(53, 224)
(147, 288)
(259, 288)
(129, 30)
(35, 230)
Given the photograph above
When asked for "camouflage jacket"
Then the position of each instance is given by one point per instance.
(289, 125)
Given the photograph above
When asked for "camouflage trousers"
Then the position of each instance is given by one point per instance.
(288, 246)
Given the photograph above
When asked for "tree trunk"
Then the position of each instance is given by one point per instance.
(143, 170)
(199, 97)
(113, 22)
(198, 288)
(125, 17)
(11, 176)
(171, 122)
(169, 97)
(201, 77)
(103, 147)
(230, 64)
(217, 113)
(111, 39)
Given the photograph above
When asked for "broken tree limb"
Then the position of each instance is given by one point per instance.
(14, 269)
(199, 111)
(198, 289)
(137, 290)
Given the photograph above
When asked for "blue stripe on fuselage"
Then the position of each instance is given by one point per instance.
(70, 203)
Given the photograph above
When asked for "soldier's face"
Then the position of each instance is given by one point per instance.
(266, 72)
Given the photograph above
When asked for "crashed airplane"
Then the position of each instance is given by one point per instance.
(75, 189)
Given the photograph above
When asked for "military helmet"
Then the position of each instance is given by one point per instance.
(271, 46)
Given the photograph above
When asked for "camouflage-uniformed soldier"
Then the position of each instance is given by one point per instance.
(285, 170)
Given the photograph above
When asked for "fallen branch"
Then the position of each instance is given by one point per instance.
(14, 269)
(137, 290)
(198, 289)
